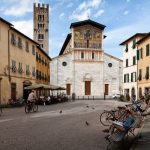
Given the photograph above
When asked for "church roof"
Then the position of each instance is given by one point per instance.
(85, 22)
(65, 43)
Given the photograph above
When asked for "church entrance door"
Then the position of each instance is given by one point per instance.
(68, 87)
(106, 89)
(87, 87)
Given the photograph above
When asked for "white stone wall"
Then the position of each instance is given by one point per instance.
(60, 74)
(131, 68)
(113, 75)
(95, 70)
(99, 73)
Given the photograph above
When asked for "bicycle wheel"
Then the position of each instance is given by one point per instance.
(27, 108)
(35, 107)
(106, 118)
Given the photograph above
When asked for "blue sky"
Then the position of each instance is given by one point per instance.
(122, 18)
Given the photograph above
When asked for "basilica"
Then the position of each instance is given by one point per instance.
(83, 67)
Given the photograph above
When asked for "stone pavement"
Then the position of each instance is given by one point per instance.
(143, 142)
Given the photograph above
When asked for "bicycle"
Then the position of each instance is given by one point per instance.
(31, 107)
(108, 116)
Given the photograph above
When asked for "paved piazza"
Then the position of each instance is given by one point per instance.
(48, 129)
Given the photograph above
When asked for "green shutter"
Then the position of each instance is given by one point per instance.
(137, 54)
(147, 50)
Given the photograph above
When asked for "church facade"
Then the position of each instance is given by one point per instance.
(82, 65)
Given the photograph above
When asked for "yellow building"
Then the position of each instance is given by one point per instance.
(143, 57)
(42, 66)
(18, 63)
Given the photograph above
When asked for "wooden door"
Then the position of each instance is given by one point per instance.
(87, 87)
(68, 88)
(106, 89)
(13, 91)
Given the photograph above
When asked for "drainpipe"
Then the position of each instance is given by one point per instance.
(137, 92)
(9, 77)
(0, 89)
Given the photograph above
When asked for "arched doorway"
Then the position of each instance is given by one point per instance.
(26, 92)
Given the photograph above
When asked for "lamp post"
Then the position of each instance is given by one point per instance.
(0, 89)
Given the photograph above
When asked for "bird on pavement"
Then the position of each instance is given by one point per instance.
(87, 106)
(60, 111)
(87, 123)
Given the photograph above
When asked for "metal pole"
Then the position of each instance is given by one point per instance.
(0, 89)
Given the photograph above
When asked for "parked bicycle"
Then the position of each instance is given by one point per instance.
(31, 107)
(108, 116)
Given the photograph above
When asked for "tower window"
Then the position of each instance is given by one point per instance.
(41, 36)
(40, 17)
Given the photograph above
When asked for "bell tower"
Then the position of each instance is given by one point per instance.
(41, 25)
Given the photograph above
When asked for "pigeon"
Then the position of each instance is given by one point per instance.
(87, 106)
(93, 108)
(60, 111)
(87, 123)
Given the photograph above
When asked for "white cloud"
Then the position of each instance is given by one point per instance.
(24, 26)
(20, 7)
(99, 13)
(84, 9)
(82, 16)
(126, 12)
(61, 15)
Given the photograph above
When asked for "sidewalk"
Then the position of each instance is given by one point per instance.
(143, 143)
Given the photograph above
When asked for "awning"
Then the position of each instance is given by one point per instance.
(43, 86)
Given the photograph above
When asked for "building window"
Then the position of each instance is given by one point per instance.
(93, 55)
(140, 75)
(133, 77)
(126, 78)
(134, 60)
(110, 65)
(140, 92)
(147, 73)
(41, 17)
(147, 50)
(126, 49)
(39, 58)
(37, 74)
(42, 45)
(33, 49)
(19, 42)
(14, 66)
(13, 39)
(27, 70)
(82, 55)
(20, 70)
(40, 26)
(64, 63)
(127, 63)
(27, 46)
(40, 36)
(134, 43)
(33, 71)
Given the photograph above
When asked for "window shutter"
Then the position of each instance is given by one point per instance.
(137, 54)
